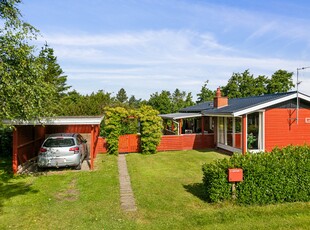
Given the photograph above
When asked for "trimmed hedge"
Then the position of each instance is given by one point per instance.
(282, 175)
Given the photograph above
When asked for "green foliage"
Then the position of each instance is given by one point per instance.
(205, 94)
(281, 81)
(75, 104)
(165, 102)
(246, 85)
(276, 177)
(52, 70)
(119, 121)
(151, 129)
(121, 96)
(161, 102)
(26, 89)
(133, 102)
(113, 124)
(6, 141)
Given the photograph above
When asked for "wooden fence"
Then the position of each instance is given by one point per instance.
(130, 143)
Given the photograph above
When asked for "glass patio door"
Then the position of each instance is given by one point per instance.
(255, 131)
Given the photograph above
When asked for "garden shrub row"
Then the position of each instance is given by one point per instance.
(282, 175)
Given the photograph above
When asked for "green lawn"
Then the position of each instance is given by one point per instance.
(168, 192)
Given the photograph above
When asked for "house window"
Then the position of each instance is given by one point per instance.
(221, 130)
(254, 131)
(237, 134)
(230, 132)
(209, 125)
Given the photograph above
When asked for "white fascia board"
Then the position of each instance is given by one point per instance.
(270, 103)
(178, 116)
(304, 97)
(74, 121)
(187, 116)
(58, 121)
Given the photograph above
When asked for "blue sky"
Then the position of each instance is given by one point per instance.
(146, 46)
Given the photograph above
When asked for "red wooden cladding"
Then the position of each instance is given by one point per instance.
(68, 129)
(101, 146)
(281, 129)
(238, 140)
(129, 143)
(186, 142)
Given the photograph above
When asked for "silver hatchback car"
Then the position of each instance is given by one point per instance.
(63, 150)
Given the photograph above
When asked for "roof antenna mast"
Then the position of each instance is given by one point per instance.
(297, 89)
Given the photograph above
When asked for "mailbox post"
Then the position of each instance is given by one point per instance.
(235, 175)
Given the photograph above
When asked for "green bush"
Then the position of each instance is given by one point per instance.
(282, 175)
(150, 128)
(6, 141)
(114, 118)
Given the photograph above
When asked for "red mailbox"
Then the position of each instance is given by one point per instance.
(235, 175)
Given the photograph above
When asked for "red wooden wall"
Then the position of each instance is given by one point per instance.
(28, 140)
(281, 129)
(186, 142)
(129, 143)
(68, 129)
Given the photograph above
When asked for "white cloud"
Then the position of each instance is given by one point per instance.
(151, 61)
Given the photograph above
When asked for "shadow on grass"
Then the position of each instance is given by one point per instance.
(197, 189)
(11, 185)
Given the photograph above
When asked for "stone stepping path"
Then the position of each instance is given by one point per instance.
(128, 203)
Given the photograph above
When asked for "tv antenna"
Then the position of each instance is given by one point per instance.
(297, 89)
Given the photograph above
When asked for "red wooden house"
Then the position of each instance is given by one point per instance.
(257, 123)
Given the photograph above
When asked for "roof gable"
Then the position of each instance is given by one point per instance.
(240, 106)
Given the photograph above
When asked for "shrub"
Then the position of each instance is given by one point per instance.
(279, 176)
(114, 118)
(6, 141)
(150, 128)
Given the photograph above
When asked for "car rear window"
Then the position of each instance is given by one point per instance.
(59, 142)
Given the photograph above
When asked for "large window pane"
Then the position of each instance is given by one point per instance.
(253, 131)
(229, 131)
(237, 133)
(221, 130)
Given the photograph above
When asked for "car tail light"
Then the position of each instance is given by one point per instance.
(43, 150)
(75, 149)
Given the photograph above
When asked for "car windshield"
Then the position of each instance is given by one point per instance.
(59, 142)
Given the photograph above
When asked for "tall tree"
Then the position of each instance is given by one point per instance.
(133, 102)
(177, 100)
(240, 85)
(189, 100)
(24, 93)
(75, 104)
(121, 96)
(52, 70)
(260, 85)
(161, 102)
(205, 93)
(245, 84)
(281, 81)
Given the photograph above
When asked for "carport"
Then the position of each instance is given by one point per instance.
(29, 135)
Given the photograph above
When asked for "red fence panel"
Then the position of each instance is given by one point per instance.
(130, 143)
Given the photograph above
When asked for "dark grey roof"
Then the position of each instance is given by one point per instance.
(198, 108)
(240, 104)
